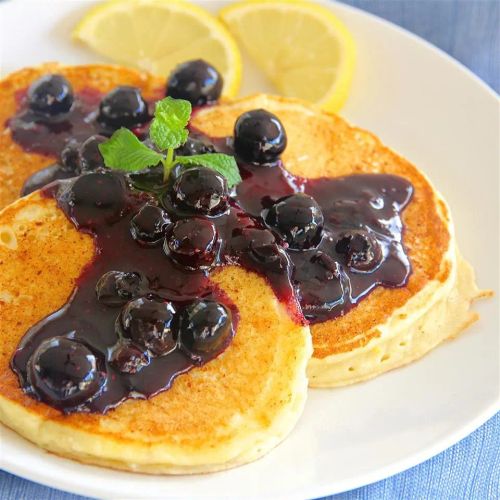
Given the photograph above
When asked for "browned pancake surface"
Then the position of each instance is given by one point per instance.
(258, 381)
(319, 145)
(16, 165)
(254, 380)
(325, 145)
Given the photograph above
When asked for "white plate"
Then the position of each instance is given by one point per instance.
(443, 118)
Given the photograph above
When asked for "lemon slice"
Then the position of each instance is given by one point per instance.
(301, 46)
(156, 35)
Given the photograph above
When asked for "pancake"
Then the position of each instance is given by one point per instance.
(16, 165)
(228, 412)
(392, 326)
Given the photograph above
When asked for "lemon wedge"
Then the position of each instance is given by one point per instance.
(156, 35)
(301, 46)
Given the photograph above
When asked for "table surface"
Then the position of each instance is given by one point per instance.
(468, 31)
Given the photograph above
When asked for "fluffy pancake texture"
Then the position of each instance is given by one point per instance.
(228, 412)
(16, 165)
(392, 326)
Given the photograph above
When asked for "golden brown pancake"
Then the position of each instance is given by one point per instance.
(382, 332)
(228, 412)
(16, 165)
(389, 328)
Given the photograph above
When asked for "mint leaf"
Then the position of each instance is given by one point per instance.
(168, 128)
(168, 131)
(224, 164)
(123, 151)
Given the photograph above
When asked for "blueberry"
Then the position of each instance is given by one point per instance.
(258, 250)
(205, 328)
(50, 95)
(192, 243)
(360, 249)
(43, 177)
(322, 285)
(70, 158)
(195, 147)
(259, 137)
(195, 81)
(129, 358)
(148, 323)
(96, 198)
(64, 372)
(148, 179)
(90, 156)
(297, 219)
(329, 267)
(123, 107)
(85, 157)
(116, 288)
(176, 171)
(148, 226)
(244, 239)
(200, 190)
(270, 257)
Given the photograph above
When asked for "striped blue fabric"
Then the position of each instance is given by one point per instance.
(469, 31)
(470, 470)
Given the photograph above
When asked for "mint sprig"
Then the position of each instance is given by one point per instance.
(168, 128)
(124, 151)
(168, 131)
(224, 164)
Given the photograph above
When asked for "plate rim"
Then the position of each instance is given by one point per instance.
(416, 38)
(384, 472)
(340, 487)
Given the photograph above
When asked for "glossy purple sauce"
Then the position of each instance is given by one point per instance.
(371, 202)
(92, 323)
(320, 278)
(38, 135)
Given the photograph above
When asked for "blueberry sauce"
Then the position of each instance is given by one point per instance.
(145, 310)
(367, 206)
(37, 133)
(329, 277)
(103, 205)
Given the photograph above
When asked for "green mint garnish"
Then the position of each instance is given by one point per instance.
(124, 151)
(168, 128)
(224, 164)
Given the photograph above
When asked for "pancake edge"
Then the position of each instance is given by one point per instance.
(255, 437)
(33, 427)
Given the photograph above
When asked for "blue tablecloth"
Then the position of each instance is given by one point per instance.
(469, 31)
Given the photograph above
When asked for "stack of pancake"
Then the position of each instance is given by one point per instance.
(239, 406)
